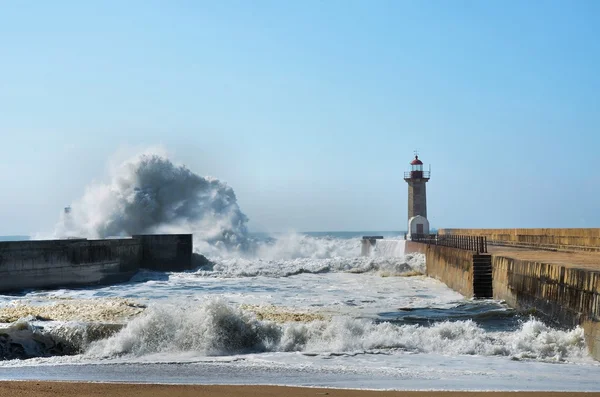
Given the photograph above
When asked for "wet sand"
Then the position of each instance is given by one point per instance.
(70, 389)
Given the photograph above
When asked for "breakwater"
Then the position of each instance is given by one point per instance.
(569, 239)
(465, 271)
(79, 262)
(561, 285)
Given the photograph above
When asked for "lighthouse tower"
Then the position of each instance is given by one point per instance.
(417, 198)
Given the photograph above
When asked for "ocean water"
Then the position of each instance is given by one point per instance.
(299, 309)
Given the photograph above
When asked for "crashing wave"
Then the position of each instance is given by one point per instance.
(25, 338)
(407, 265)
(150, 194)
(215, 328)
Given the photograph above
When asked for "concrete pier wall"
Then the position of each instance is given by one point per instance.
(166, 252)
(563, 292)
(63, 263)
(452, 266)
(576, 239)
(566, 295)
(49, 264)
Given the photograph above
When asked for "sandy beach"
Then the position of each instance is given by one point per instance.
(54, 389)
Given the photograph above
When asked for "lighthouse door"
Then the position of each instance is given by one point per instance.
(419, 228)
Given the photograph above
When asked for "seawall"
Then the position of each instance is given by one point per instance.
(566, 293)
(452, 266)
(50, 264)
(467, 272)
(569, 239)
(562, 286)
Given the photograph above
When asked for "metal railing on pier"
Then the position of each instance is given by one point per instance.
(470, 243)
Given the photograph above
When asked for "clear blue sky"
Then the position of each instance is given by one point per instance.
(310, 110)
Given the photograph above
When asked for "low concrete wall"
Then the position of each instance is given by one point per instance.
(166, 252)
(78, 262)
(63, 263)
(583, 239)
(452, 266)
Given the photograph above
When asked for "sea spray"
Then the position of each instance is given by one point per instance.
(408, 265)
(293, 245)
(150, 194)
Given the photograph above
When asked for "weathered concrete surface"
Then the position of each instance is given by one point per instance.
(417, 197)
(567, 295)
(62, 263)
(78, 262)
(166, 252)
(563, 287)
(592, 337)
(452, 266)
(573, 239)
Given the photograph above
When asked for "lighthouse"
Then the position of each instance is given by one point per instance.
(417, 198)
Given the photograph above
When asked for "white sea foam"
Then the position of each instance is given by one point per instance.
(293, 254)
(386, 266)
(295, 245)
(216, 328)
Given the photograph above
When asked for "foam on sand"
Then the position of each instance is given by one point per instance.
(102, 310)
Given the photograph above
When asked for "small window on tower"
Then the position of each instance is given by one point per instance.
(417, 190)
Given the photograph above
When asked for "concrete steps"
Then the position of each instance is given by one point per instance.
(482, 276)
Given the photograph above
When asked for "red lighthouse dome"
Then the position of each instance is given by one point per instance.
(416, 161)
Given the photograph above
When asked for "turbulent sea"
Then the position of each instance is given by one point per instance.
(301, 309)
(289, 309)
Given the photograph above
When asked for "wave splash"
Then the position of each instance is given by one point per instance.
(215, 328)
(293, 253)
(150, 194)
(25, 339)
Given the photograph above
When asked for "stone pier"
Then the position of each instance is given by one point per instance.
(555, 272)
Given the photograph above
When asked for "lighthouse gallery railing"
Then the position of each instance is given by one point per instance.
(417, 175)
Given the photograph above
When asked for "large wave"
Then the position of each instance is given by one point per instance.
(215, 328)
(150, 194)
